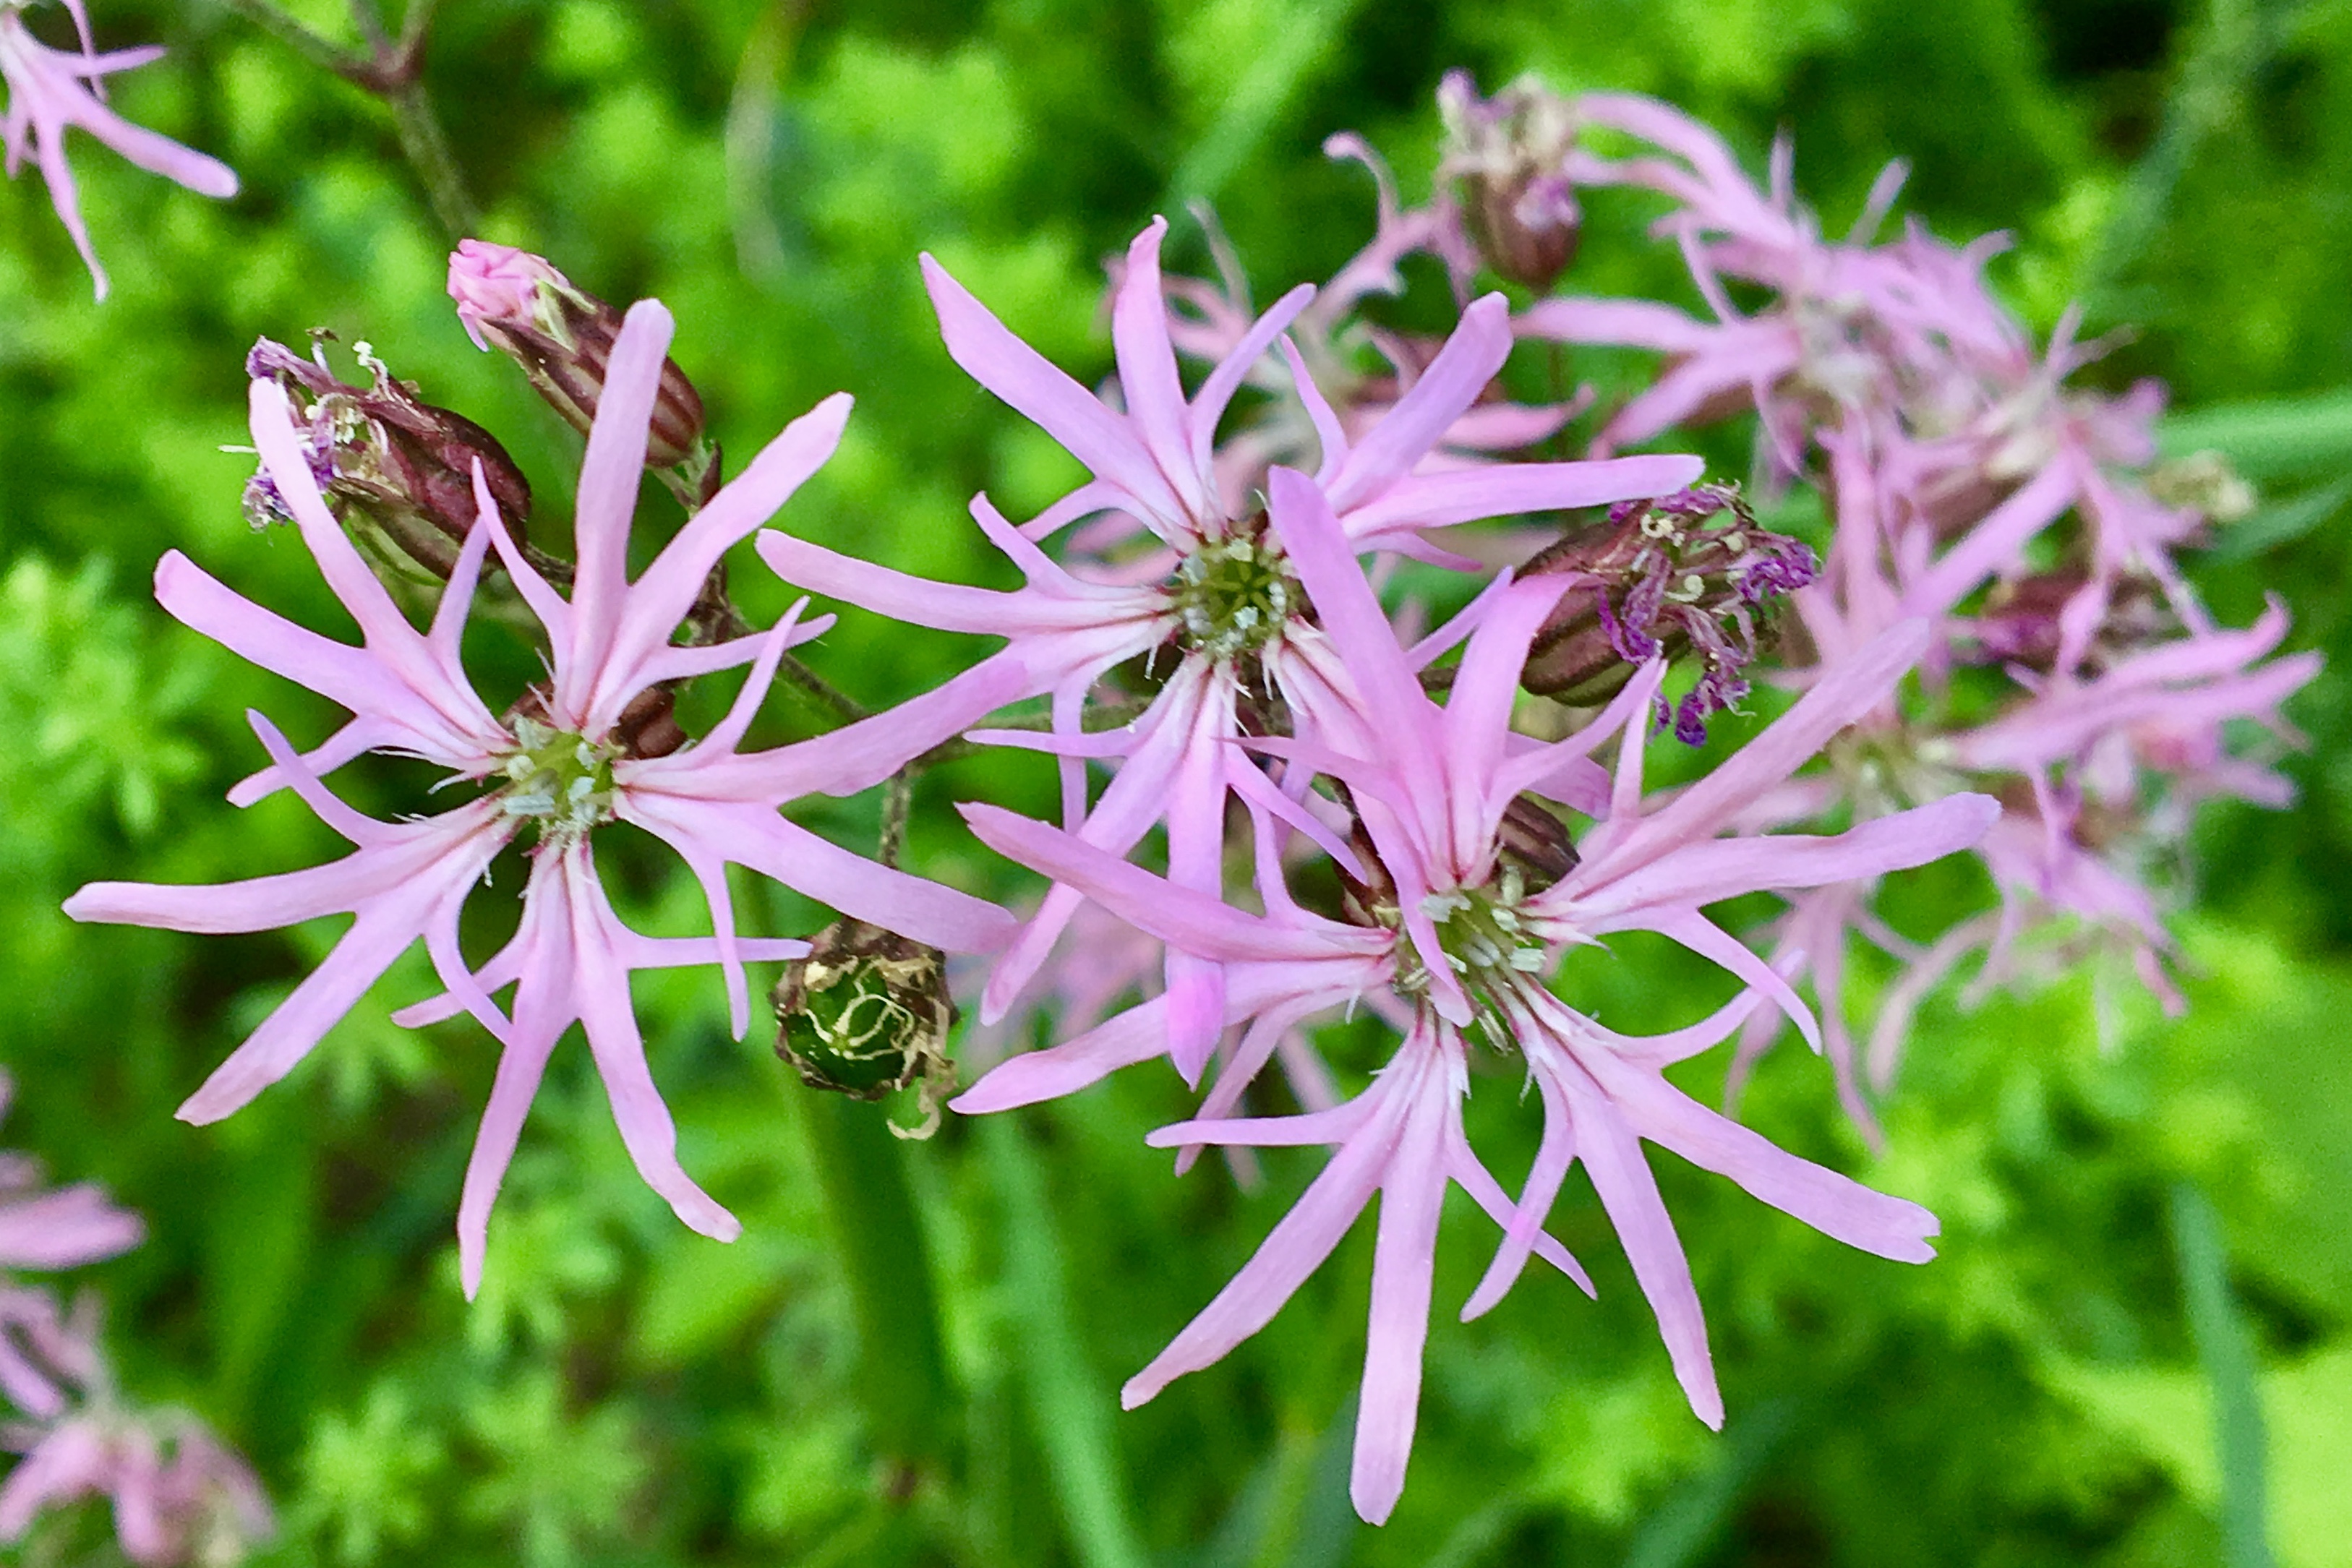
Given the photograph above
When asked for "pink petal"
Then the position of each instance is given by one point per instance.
(1476, 725)
(840, 762)
(1137, 1035)
(160, 154)
(1351, 617)
(1638, 323)
(1710, 871)
(1148, 381)
(341, 673)
(1330, 434)
(600, 987)
(1183, 918)
(385, 925)
(1847, 690)
(1508, 489)
(521, 1065)
(1420, 419)
(1412, 1193)
(65, 1228)
(1292, 1250)
(1065, 410)
(1209, 403)
(1336, 1125)
(1996, 543)
(1831, 1204)
(658, 600)
(1710, 941)
(611, 474)
(1554, 1154)
(390, 641)
(1630, 1194)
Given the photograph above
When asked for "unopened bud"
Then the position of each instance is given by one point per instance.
(1509, 155)
(1685, 573)
(867, 1014)
(1538, 842)
(2207, 483)
(563, 336)
(397, 470)
(2022, 622)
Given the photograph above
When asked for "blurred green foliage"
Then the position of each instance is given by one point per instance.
(626, 1393)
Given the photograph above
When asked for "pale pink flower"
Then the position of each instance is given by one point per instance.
(181, 1498)
(1898, 351)
(1225, 604)
(1453, 930)
(562, 762)
(55, 1227)
(47, 1228)
(49, 90)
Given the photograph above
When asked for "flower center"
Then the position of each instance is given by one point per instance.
(1486, 945)
(561, 781)
(1233, 594)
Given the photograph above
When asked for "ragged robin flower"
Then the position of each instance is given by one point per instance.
(51, 89)
(570, 757)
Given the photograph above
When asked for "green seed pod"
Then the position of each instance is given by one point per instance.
(867, 1014)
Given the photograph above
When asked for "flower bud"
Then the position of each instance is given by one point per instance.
(1685, 573)
(2022, 622)
(1537, 843)
(513, 301)
(1507, 155)
(867, 1014)
(398, 471)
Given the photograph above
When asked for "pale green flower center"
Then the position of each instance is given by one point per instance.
(1233, 596)
(1487, 945)
(560, 781)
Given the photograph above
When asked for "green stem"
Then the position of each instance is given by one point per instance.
(427, 150)
(318, 51)
(2220, 1331)
(844, 706)
(898, 803)
(392, 72)
(414, 22)
(1069, 1405)
(878, 1238)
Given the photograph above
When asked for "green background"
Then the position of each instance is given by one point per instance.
(2139, 1231)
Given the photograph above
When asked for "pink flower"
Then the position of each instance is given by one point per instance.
(1225, 604)
(60, 1228)
(48, 92)
(1455, 920)
(563, 761)
(47, 1228)
(182, 1497)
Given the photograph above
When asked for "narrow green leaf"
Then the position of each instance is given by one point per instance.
(1695, 1513)
(1267, 87)
(1069, 1404)
(902, 1376)
(2223, 1346)
(2267, 439)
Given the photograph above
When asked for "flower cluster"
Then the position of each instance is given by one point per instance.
(2072, 670)
(1284, 798)
(181, 1497)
